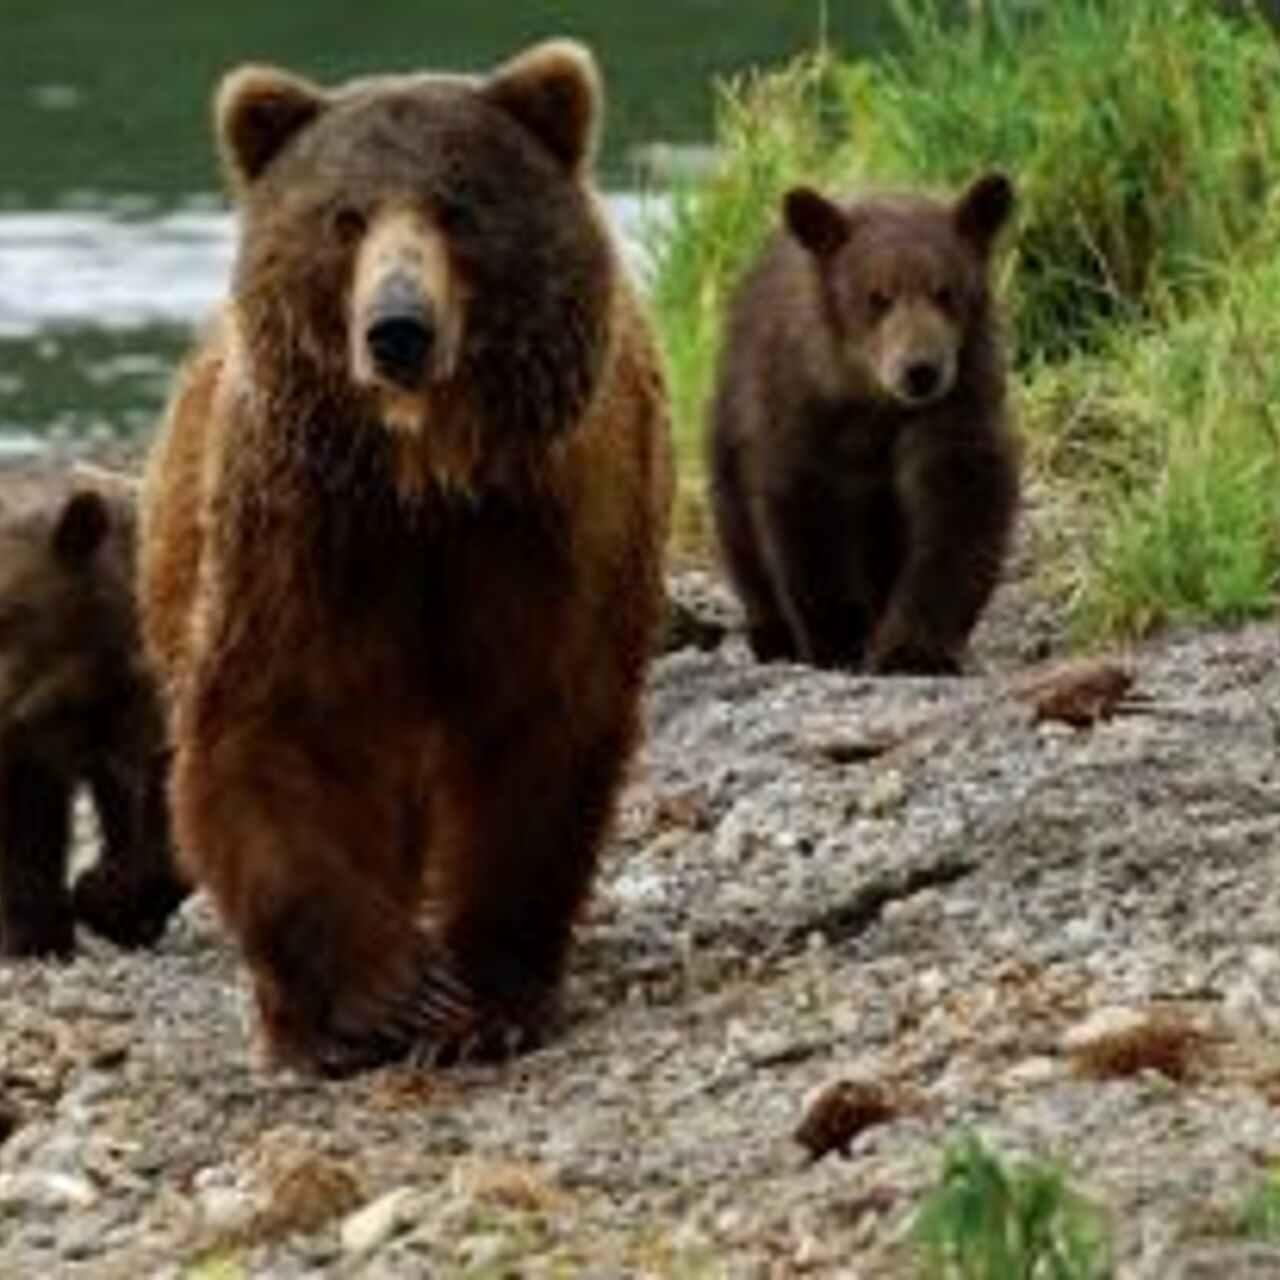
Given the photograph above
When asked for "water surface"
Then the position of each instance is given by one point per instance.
(114, 239)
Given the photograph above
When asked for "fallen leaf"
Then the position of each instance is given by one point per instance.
(840, 1113)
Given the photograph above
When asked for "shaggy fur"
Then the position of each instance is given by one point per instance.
(403, 628)
(77, 709)
(863, 473)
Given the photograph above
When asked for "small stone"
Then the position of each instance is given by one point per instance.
(916, 909)
(46, 1190)
(886, 794)
(483, 1251)
(1031, 1073)
(377, 1222)
(226, 1211)
(809, 1252)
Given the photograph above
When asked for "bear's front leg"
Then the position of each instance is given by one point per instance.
(519, 815)
(958, 505)
(35, 820)
(821, 588)
(298, 827)
(133, 889)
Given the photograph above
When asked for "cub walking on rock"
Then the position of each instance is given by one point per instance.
(402, 549)
(864, 477)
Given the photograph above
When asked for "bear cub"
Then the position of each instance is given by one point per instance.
(77, 709)
(864, 476)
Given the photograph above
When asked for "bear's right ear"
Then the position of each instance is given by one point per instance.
(256, 112)
(819, 224)
(81, 527)
(983, 208)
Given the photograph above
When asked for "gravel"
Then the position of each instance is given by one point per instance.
(919, 885)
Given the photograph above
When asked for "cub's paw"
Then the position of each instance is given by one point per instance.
(772, 642)
(44, 935)
(910, 659)
(130, 911)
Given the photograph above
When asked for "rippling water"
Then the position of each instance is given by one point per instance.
(95, 309)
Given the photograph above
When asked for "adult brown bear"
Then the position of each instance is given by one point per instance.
(402, 553)
(864, 477)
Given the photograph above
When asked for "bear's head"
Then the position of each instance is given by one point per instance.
(904, 281)
(424, 250)
(69, 652)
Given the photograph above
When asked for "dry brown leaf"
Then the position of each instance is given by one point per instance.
(840, 1113)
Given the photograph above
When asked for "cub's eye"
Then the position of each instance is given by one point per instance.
(878, 302)
(347, 224)
(945, 297)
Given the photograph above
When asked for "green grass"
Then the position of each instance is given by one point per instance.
(1258, 1217)
(1166, 447)
(772, 128)
(1144, 138)
(989, 1219)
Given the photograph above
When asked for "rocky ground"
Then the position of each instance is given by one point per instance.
(1064, 938)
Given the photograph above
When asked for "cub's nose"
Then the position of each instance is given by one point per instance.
(922, 380)
(400, 333)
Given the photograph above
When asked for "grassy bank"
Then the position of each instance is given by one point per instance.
(1142, 291)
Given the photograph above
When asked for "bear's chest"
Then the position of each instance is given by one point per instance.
(448, 594)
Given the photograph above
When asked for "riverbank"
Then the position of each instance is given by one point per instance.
(923, 886)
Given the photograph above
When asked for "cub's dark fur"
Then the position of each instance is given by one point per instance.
(864, 477)
(77, 709)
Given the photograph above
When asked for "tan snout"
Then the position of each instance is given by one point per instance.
(914, 353)
(406, 310)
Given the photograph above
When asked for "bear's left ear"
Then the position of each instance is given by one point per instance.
(554, 91)
(983, 208)
(256, 112)
(81, 527)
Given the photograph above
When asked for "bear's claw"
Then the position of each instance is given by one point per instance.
(438, 1022)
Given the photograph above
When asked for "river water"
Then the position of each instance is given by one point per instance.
(113, 242)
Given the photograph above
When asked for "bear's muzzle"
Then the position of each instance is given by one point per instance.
(401, 332)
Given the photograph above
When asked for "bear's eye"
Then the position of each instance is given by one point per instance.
(945, 297)
(878, 302)
(347, 224)
(453, 216)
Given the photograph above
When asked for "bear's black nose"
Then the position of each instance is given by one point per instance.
(922, 380)
(401, 336)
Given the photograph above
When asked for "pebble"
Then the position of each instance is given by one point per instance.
(372, 1225)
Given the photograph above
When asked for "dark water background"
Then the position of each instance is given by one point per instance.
(113, 237)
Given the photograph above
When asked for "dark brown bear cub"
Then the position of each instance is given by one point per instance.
(863, 474)
(402, 548)
(77, 709)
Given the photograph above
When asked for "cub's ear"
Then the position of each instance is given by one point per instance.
(257, 110)
(819, 224)
(81, 527)
(553, 89)
(983, 208)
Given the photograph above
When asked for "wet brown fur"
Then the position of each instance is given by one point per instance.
(859, 529)
(77, 710)
(404, 661)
